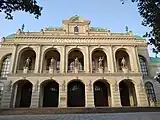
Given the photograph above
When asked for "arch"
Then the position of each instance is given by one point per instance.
(49, 93)
(102, 93)
(76, 94)
(72, 55)
(51, 53)
(96, 55)
(5, 65)
(22, 91)
(127, 93)
(150, 93)
(143, 65)
(23, 55)
(119, 55)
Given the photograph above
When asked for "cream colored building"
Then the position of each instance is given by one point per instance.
(76, 66)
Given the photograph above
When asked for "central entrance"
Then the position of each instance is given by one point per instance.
(50, 93)
(76, 94)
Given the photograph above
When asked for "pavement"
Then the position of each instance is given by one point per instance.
(105, 116)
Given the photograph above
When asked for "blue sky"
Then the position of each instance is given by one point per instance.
(110, 14)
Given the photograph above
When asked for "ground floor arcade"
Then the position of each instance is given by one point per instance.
(76, 93)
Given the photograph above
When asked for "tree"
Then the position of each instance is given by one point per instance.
(150, 12)
(10, 6)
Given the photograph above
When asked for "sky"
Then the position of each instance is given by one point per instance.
(110, 14)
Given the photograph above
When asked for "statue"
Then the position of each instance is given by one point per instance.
(76, 63)
(52, 63)
(27, 62)
(100, 62)
(123, 62)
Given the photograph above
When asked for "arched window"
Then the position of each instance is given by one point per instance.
(5, 67)
(143, 65)
(150, 92)
(76, 30)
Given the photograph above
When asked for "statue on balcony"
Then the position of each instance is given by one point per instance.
(100, 63)
(52, 65)
(123, 65)
(26, 66)
(27, 62)
(76, 61)
(123, 62)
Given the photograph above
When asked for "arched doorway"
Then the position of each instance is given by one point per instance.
(50, 93)
(71, 60)
(48, 55)
(120, 55)
(23, 56)
(96, 55)
(102, 96)
(23, 89)
(127, 93)
(76, 94)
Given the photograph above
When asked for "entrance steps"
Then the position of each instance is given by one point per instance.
(40, 111)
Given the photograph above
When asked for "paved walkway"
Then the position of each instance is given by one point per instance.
(107, 116)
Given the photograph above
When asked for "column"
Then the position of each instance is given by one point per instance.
(87, 59)
(63, 95)
(89, 95)
(62, 60)
(38, 56)
(35, 96)
(13, 57)
(111, 61)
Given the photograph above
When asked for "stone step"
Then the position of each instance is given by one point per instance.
(39, 111)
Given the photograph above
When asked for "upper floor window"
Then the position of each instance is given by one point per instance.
(5, 67)
(76, 29)
(143, 65)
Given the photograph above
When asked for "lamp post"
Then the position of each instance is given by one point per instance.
(157, 77)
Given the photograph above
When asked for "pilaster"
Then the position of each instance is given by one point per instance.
(37, 63)
(111, 61)
(13, 57)
(115, 94)
(62, 60)
(89, 95)
(63, 95)
(134, 59)
(87, 59)
(35, 96)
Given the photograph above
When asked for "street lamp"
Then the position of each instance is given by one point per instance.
(157, 77)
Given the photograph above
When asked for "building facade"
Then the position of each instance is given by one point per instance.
(76, 66)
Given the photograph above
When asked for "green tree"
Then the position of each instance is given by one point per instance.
(150, 12)
(10, 6)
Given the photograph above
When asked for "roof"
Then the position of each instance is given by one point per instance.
(10, 36)
(76, 18)
(138, 37)
(155, 60)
